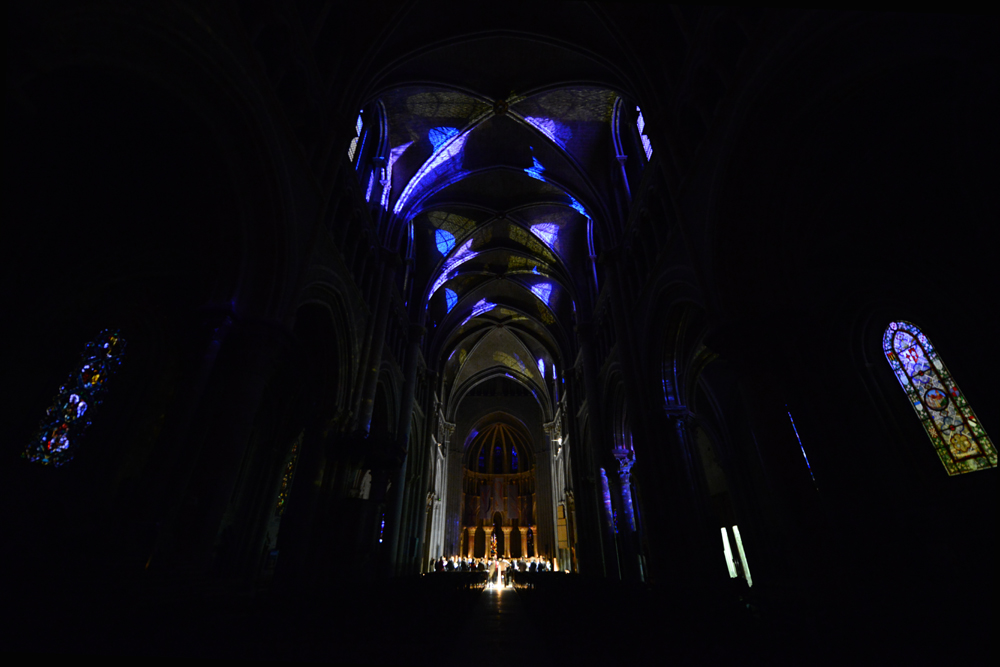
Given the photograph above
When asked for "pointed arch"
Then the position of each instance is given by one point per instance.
(952, 426)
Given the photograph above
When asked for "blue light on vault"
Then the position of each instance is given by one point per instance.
(543, 291)
(444, 240)
(439, 135)
(548, 232)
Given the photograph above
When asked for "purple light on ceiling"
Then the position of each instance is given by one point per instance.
(463, 254)
(449, 149)
(393, 156)
(543, 291)
(548, 232)
(574, 204)
(554, 130)
(482, 306)
(439, 135)
(536, 170)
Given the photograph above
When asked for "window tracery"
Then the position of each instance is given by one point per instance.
(68, 417)
(640, 123)
(948, 419)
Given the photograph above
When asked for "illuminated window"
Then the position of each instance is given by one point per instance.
(960, 441)
(450, 298)
(69, 415)
(736, 559)
(371, 182)
(352, 150)
(541, 366)
(387, 173)
(286, 479)
(641, 124)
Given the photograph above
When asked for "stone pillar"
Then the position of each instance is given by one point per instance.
(472, 541)
(597, 550)
(395, 512)
(622, 498)
(178, 460)
(534, 532)
(546, 518)
(371, 371)
(524, 540)
(247, 365)
(650, 454)
(695, 520)
(453, 486)
(506, 540)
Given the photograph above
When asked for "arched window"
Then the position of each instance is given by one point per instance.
(69, 415)
(286, 478)
(640, 124)
(352, 150)
(960, 441)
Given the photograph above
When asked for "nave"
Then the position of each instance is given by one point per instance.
(693, 302)
(455, 618)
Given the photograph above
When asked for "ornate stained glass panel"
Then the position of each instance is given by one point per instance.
(958, 437)
(68, 417)
(286, 478)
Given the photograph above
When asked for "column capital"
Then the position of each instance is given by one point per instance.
(677, 412)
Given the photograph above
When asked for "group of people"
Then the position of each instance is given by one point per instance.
(499, 569)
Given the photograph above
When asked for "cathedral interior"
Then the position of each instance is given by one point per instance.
(691, 302)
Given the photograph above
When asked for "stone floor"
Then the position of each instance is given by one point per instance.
(449, 619)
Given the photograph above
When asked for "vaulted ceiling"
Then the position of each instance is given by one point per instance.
(501, 200)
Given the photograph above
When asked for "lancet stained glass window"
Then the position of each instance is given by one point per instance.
(69, 415)
(959, 439)
(286, 478)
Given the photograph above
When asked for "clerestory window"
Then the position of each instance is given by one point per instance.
(956, 434)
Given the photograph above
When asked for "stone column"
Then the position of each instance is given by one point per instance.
(622, 499)
(472, 541)
(534, 532)
(506, 540)
(524, 540)
(247, 365)
(453, 485)
(695, 520)
(596, 544)
(395, 513)
(367, 405)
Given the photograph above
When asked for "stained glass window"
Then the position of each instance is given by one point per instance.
(353, 148)
(286, 479)
(641, 125)
(960, 441)
(69, 415)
